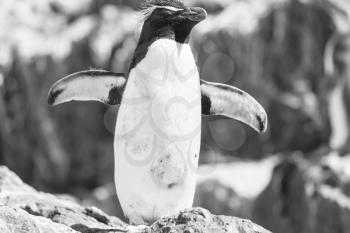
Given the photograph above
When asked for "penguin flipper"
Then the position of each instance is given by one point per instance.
(91, 85)
(231, 102)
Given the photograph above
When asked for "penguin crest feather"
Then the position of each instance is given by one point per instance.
(151, 5)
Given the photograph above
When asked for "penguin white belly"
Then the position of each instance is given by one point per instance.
(157, 137)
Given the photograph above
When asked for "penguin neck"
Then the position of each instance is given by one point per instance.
(149, 36)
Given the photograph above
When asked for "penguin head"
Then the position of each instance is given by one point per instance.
(166, 18)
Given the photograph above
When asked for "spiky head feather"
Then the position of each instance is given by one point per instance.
(172, 3)
(150, 6)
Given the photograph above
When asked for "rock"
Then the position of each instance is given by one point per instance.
(23, 209)
(305, 196)
(18, 220)
(200, 220)
(19, 196)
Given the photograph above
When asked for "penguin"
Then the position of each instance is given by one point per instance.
(162, 99)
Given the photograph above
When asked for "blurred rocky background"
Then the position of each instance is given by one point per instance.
(291, 55)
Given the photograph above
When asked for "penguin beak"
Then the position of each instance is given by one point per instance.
(195, 14)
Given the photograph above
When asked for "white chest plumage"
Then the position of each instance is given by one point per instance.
(157, 137)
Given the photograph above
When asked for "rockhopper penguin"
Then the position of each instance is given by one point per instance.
(161, 97)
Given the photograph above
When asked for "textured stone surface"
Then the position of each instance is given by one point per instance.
(18, 220)
(23, 210)
(306, 197)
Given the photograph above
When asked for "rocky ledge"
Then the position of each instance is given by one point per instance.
(23, 209)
